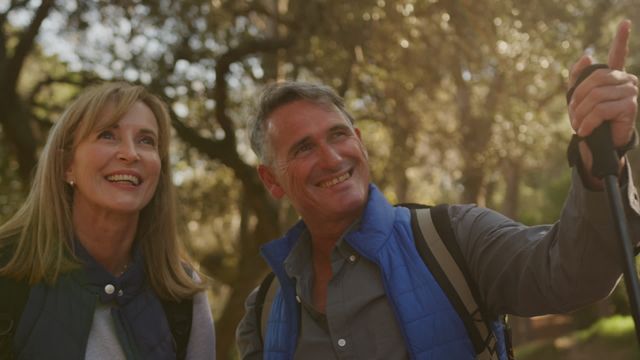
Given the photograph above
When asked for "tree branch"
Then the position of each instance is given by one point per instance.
(214, 149)
(25, 44)
(222, 68)
(69, 78)
(224, 152)
(346, 76)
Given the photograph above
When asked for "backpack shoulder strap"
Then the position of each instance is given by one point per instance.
(439, 249)
(180, 316)
(264, 300)
(12, 302)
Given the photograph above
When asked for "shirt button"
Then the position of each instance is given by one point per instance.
(342, 342)
(109, 289)
(120, 292)
(353, 258)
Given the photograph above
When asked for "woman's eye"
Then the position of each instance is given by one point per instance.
(106, 134)
(148, 140)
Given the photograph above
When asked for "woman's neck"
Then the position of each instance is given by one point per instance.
(107, 237)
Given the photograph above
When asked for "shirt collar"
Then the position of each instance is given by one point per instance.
(120, 289)
(298, 263)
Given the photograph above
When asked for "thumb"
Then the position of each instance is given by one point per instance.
(577, 68)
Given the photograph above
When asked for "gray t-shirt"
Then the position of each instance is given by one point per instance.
(103, 341)
(520, 270)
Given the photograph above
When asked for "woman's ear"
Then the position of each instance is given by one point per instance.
(69, 177)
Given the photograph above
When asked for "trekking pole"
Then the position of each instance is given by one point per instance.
(602, 137)
(605, 166)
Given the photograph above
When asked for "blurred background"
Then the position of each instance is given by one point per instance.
(457, 100)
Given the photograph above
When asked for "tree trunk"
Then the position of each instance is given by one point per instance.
(16, 120)
(513, 176)
(251, 267)
(18, 133)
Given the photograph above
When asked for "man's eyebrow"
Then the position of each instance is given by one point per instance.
(306, 139)
(340, 127)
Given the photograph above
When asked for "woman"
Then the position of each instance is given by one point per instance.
(92, 256)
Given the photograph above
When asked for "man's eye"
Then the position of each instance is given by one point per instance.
(303, 149)
(339, 134)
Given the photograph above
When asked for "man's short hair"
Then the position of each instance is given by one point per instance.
(279, 94)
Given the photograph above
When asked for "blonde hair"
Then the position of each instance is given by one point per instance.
(41, 231)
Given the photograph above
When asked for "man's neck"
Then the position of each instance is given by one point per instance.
(323, 241)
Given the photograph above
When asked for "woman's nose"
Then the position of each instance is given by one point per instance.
(127, 151)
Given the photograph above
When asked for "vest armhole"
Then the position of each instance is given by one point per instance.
(437, 246)
(265, 294)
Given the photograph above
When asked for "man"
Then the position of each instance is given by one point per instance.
(352, 285)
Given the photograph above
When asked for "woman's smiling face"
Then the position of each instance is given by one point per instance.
(116, 169)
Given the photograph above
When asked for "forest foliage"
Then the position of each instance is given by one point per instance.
(457, 100)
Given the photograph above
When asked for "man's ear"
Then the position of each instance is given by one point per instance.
(270, 182)
(364, 148)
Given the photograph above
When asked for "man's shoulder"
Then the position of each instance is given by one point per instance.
(277, 250)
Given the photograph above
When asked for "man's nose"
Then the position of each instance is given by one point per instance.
(330, 155)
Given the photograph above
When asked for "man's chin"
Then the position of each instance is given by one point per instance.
(348, 207)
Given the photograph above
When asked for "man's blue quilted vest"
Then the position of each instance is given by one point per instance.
(430, 325)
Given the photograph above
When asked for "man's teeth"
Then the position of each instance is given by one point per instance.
(336, 180)
(122, 177)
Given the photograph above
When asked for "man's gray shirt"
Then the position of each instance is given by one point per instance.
(519, 270)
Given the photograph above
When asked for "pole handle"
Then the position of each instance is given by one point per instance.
(600, 142)
(605, 157)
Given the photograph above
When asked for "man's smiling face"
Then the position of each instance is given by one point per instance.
(316, 159)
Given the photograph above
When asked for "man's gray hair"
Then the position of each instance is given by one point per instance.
(282, 93)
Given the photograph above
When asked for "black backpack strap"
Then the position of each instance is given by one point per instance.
(179, 315)
(437, 245)
(13, 298)
(264, 300)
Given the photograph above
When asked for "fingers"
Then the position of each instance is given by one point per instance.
(607, 94)
(577, 68)
(620, 111)
(613, 102)
(602, 86)
(619, 46)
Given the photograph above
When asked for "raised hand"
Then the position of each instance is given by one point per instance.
(608, 94)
